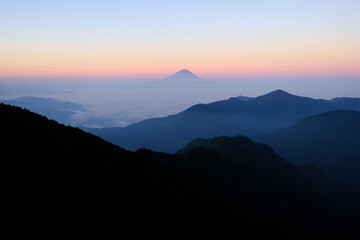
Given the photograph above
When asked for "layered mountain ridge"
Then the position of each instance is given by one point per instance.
(328, 140)
(60, 182)
(232, 117)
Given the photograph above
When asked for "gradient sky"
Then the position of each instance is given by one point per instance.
(215, 39)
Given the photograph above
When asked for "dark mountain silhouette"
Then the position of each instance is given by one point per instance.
(258, 158)
(51, 108)
(255, 176)
(59, 182)
(262, 161)
(232, 117)
(329, 140)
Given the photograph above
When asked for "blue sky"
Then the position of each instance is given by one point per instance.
(233, 38)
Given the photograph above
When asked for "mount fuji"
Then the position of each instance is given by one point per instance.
(184, 74)
(183, 78)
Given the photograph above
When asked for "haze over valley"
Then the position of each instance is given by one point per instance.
(180, 119)
(112, 103)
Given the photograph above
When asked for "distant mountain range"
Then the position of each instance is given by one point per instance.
(60, 182)
(329, 140)
(232, 117)
(244, 98)
(27, 89)
(53, 109)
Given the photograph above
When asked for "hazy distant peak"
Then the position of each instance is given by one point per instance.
(184, 73)
(244, 98)
(277, 94)
(33, 99)
(182, 79)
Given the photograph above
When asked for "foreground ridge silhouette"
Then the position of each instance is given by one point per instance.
(60, 182)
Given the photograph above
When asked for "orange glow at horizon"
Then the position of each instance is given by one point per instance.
(214, 40)
(211, 71)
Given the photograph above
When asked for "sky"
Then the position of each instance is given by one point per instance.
(152, 39)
